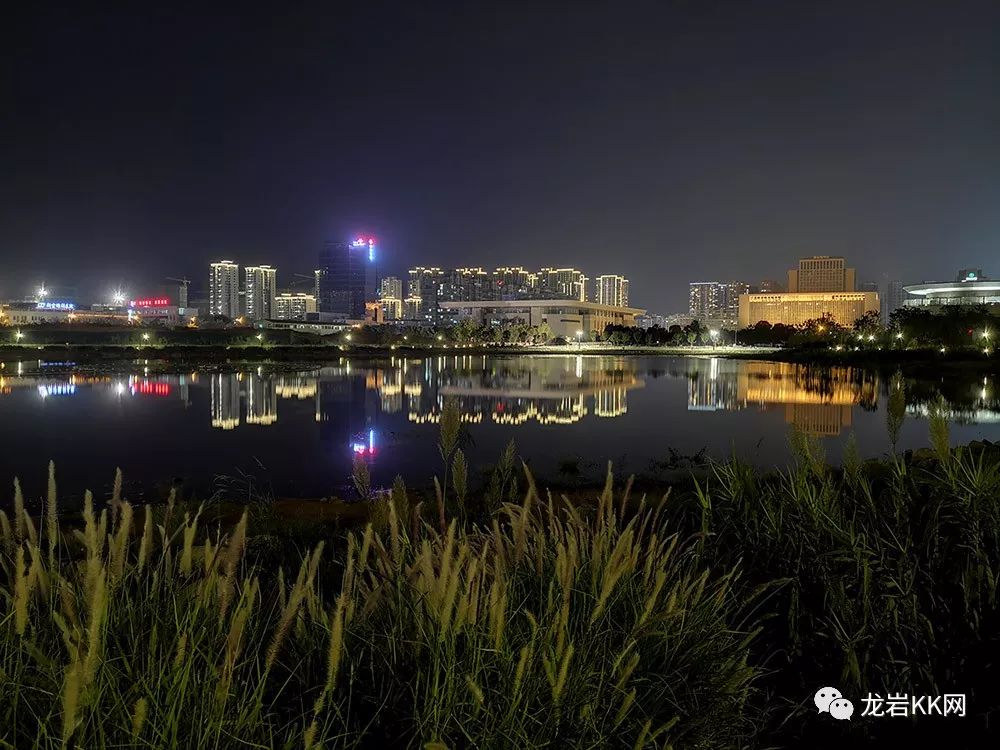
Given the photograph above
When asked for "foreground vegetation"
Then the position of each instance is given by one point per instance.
(506, 617)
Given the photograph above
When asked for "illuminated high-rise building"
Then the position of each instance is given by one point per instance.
(821, 273)
(562, 283)
(224, 289)
(423, 293)
(705, 299)
(729, 302)
(464, 284)
(611, 289)
(391, 297)
(293, 306)
(259, 291)
(346, 278)
(513, 282)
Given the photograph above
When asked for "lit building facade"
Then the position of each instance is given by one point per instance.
(293, 306)
(611, 289)
(424, 290)
(794, 309)
(259, 290)
(391, 297)
(562, 283)
(704, 299)
(821, 273)
(570, 319)
(729, 300)
(970, 287)
(513, 282)
(346, 278)
(224, 289)
(460, 284)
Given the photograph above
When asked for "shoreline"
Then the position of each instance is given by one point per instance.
(201, 355)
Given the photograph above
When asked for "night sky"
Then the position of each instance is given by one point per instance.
(669, 141)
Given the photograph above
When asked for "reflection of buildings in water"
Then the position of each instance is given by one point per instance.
(611, 403)
(819, 419)
(300, 387)
(225, 389)
(818, 401)
(712, 385)
(345, 409)
(549, 390)
(262, 400)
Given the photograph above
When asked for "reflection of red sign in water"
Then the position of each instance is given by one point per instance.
(145, 388)
(151, 302)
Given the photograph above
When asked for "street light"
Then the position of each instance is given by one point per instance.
(145, 337)
(714, 334)
(118, 298)
(579, 339)
(19, 335)
(42, 292)
(260, 336)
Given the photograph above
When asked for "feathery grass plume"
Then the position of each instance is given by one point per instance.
(95, 628)
(460, 478)
(30, 534)
(439, 494)
(22, 592)
(450, 428)
(187, 551)
(939, 430)
(852, 458)
(116, 494)
(235, 637)
(118, 549)
(19, 514)
(7, 533)
(291, 609)
(180, 652)
(51, 515)
(895, 411)
(139, 713)
(361, 477)
(70, 700)
(335, 651)
(231, 562)
(37, 574)
(146, 543)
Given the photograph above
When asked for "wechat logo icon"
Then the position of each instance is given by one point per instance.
(830, 700)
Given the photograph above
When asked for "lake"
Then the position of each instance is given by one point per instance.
(298, 431)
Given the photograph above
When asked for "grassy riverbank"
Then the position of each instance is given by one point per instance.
(511, 617)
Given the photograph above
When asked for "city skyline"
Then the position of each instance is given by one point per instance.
(839, 138)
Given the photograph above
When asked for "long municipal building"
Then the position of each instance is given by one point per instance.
(568, 318)
(821, 285)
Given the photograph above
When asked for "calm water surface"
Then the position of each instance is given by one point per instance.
(298, 431)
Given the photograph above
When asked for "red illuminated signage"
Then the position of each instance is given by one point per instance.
(150, 302)
(145, 388)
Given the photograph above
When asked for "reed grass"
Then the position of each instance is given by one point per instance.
(483, 622)
(544, 626)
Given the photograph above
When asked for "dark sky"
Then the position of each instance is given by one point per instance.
(669, 141)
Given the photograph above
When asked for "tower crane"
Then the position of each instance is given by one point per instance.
(182, 297)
